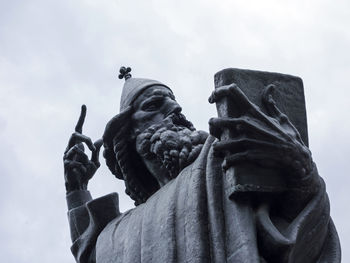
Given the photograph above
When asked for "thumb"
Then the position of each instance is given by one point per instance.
(95, 154)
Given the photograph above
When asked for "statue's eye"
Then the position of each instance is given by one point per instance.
(152, 105)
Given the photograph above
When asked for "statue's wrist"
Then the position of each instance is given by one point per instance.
(307, 182)
(75, 187)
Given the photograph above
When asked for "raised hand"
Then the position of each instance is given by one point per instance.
(267, 140)
(78, 168)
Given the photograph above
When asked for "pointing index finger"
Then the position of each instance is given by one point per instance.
(79, 126)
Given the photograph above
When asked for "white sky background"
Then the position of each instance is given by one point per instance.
(57, 55)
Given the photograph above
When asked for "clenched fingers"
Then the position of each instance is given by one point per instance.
(78, 138)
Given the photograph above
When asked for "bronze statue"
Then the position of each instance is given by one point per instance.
(247, 192)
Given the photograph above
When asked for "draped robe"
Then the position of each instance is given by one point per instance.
(191, 220)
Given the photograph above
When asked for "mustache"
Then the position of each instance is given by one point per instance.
(179, 119)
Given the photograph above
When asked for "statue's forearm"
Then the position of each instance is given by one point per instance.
(299, 194)
(77, 198)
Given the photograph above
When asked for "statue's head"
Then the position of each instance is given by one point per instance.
(150, 141)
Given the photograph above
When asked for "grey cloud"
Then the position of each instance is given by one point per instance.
(56, 55)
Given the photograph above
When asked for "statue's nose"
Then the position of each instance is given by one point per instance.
(173, 107)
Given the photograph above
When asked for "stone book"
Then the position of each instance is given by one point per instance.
(289, 97)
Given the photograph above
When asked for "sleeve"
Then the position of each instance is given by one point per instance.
(300, 229)
(87, 220)
(77, 213)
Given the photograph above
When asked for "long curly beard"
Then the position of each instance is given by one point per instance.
(174, 143)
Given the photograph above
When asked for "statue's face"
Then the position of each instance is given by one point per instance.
(164, 139)
(152, 107)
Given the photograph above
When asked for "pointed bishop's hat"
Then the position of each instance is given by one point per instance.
(133, 87)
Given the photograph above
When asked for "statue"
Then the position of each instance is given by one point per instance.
(247, 192)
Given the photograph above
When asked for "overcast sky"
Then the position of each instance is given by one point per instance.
(56, 55)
